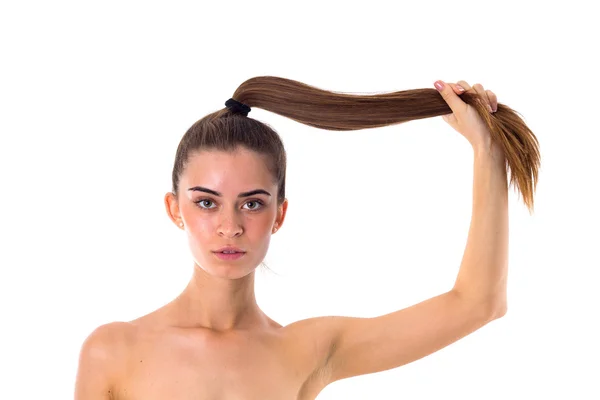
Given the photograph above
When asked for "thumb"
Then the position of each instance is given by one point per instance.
(454, 102)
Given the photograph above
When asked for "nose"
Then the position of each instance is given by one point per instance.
(230, 226)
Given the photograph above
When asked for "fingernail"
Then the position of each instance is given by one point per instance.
(490, 108)
(460, 88)
(439, 85)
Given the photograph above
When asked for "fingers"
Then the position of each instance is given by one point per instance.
(486, 95)
(457, 89)
(483, 96)
(493, 100)
(465, 85)
(454, 102)
(452, 91)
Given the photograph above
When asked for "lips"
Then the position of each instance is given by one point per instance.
(229, 257)
(229, 249)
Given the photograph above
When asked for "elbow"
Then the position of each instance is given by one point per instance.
(490, 307)
(496, 308)
(499, 310)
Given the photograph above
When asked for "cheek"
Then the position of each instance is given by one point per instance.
(198, 228)
(260, 227)
(201, 231)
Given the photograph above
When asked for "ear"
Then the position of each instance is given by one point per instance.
(172, 207)
(281, 211)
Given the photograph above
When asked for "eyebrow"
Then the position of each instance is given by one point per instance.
(243, 194)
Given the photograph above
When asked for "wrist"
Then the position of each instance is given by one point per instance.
(489, 149)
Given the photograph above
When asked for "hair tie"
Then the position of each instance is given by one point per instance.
(237, 108)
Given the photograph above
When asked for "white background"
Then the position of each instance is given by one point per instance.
(95, 97)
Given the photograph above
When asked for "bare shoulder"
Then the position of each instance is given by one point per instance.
(108, 340)
(100, 356)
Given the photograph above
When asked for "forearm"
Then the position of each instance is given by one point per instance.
(483, 272)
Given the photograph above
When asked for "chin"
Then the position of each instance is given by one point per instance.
(226, 269)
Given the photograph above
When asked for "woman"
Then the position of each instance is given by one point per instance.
(214, 342)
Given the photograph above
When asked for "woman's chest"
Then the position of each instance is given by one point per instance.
(186, 367)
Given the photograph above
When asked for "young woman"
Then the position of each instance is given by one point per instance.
(214, 342)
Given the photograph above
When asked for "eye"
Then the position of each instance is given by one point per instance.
(256, 202)
(203, 201)
(247, 202)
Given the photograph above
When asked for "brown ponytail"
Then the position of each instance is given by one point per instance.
(224, 130)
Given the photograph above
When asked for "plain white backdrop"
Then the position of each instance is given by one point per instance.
(95, 96)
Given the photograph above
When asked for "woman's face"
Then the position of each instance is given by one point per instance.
(224, 219)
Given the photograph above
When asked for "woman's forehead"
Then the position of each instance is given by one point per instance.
(223, 170)
(237, 157)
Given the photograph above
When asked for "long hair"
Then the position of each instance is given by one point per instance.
(225, 130)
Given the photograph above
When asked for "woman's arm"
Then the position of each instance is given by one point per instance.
(367, 345)
(484, 267)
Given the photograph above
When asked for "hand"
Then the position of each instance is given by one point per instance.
(464, 118)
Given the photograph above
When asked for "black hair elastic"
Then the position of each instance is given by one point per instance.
(237, 108)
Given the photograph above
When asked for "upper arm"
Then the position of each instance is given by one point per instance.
(367, 345)
(96, 368)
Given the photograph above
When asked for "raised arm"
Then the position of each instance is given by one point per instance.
(366, 345)
(484, 267)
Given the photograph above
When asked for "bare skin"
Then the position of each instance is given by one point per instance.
(214, 342)
(170, 362)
